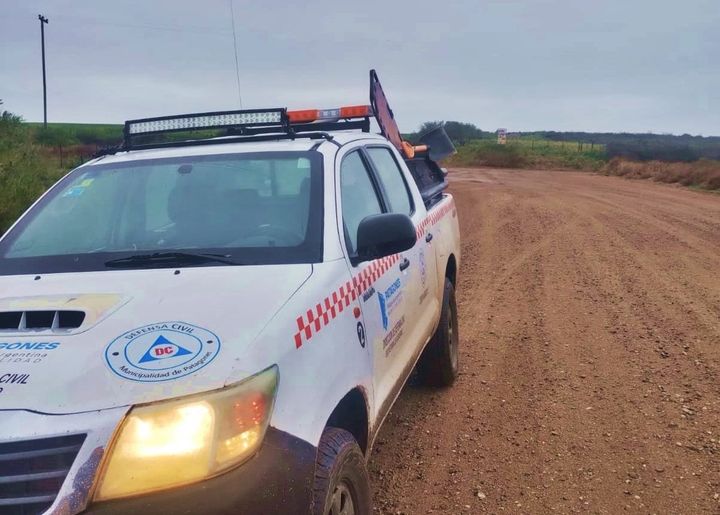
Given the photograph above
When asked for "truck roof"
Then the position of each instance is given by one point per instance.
(281, 145)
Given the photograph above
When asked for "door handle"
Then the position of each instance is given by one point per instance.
(428, 237)
(405, 263)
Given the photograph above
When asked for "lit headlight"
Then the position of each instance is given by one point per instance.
(181, 441)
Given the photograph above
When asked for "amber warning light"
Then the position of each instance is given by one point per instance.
(340, 113)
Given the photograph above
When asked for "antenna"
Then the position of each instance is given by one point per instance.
(237, 66)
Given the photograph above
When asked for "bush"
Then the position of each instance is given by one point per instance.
(704, 173)
(12, 131)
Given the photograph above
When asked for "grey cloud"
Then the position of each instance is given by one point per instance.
(523, 64)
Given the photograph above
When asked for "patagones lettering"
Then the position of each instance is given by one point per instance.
(29, 345)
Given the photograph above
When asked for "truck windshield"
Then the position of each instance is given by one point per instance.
(259, 208)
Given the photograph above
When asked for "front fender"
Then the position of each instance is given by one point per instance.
(317, 350)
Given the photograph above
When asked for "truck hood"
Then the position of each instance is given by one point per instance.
(146, 335)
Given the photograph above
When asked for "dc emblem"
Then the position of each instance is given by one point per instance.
(163, 349)
(161, 352)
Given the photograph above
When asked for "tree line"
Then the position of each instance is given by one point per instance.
(634, 146)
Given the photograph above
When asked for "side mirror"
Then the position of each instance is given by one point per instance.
(384, 235)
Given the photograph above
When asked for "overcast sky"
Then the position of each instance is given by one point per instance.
(593, 65)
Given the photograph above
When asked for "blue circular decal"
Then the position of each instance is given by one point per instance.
(162, 351)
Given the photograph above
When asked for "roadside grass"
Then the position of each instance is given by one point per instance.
(69, 134)
(703, 174)
(530, 153)
(25, 173)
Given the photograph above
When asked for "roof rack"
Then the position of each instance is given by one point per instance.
(245, 126)
(277, 124)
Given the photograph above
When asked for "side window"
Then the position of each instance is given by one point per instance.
(358, 195)
(393, 181)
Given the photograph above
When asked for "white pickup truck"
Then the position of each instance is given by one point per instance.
(221, 325)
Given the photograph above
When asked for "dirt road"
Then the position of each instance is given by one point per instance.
(590, 333)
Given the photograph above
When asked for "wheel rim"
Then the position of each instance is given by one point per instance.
(342, 501)
(453, 337)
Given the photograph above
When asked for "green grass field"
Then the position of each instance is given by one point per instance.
(530, 152)
(68, 134)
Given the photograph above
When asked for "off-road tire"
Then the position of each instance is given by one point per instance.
(340, 469)
(438, 365)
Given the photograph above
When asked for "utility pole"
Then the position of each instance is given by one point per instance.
(43, 21)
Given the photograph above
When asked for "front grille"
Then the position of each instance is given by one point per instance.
(41, 320)
(32, 472)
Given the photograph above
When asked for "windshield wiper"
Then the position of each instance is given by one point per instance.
(160, 259)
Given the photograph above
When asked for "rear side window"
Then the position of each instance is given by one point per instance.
(393, 182)
(358, 195)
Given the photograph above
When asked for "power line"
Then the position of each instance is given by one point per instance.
(237, 66)
(189, 29)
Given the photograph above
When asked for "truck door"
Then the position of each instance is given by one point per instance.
(421, 274)
(382, 284)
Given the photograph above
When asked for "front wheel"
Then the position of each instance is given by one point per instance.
(342, 485)
(438, 365)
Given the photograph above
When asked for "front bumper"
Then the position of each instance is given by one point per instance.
(276, 480)
(20, 428)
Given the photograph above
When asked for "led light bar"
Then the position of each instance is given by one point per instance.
(205, 121)
(246, 125)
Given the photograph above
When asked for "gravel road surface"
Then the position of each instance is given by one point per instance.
(590, 354)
